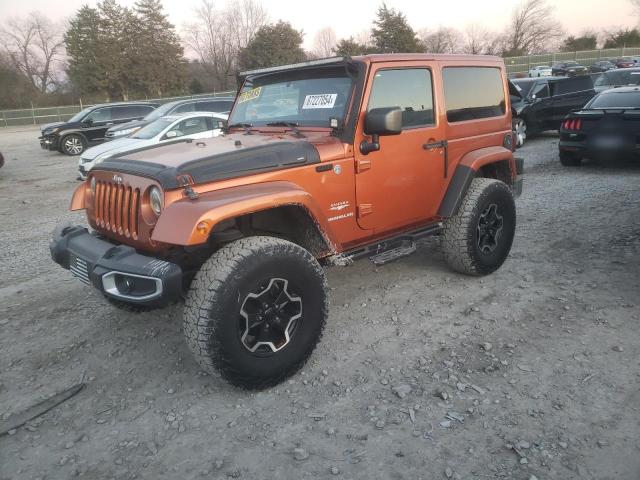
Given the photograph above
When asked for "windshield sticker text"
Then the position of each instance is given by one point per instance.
(323, 100)
(249, 95)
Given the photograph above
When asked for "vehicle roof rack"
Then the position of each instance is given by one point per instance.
(310, 63)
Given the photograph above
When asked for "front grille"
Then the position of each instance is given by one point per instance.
(79, 269)
(116, 208)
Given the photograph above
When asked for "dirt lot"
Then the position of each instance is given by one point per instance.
(530, 373)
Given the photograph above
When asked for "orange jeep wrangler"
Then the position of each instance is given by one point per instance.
(322, 162)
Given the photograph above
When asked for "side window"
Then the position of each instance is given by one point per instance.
(217, 106)
(141, 111)
(541, 90)
(100, 115)
(186, 107)
(122, 113)
(191, 126)
(410, 89)
(473, 92)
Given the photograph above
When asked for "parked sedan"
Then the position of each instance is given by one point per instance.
(201, 104)
(617, 78)
(196, 125)
(88, 127)
(568, 69)
(607, 127)
(624, 62)
(601, 66)
(540, 71)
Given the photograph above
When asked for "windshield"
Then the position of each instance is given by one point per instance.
(80, 115)
(524, 87)
(613, 77)
(305, 98)
(161, 111)
(152, 129)
(616, 99)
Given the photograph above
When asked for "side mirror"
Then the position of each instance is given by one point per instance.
(88, 122)
(171, 134)
(383, 121)
(380, 121)
(222, 124)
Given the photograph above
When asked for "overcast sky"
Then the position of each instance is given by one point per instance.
(349, 17)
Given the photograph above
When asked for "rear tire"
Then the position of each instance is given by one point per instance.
(477, 239)
(256, 310)
(569, 160)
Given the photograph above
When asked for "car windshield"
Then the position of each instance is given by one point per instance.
(80, 115)
(153, 129)
(616, 99)
(161, 111)
(524, 87)
(304, 98)
(619, 77)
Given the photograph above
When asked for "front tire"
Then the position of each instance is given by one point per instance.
(256, 310)
(477, 239)
(520, 129)
(73, 144)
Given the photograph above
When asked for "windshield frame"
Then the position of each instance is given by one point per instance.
(354, 69)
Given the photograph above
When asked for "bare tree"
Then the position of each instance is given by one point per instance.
(532, 29)
(478, 40)
(442, 40)
(216, 36)
(33, 45)
(324, 43)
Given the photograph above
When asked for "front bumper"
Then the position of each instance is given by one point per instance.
(48, 142)
(118, 271)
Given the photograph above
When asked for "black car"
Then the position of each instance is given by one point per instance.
(601, 66)
(88, 127)
(617, 78)
(205, 104)
(568, 69)
(607, 127)
(543, 103)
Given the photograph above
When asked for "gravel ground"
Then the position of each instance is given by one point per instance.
(530, 373)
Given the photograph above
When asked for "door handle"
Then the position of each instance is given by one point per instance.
(440, 144)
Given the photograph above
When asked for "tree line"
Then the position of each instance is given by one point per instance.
(111, 52)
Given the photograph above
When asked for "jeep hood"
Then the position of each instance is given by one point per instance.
(219, 158)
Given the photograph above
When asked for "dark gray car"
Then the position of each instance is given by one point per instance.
(204, 104)
(617, 78)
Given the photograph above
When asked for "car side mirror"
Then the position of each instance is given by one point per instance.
(171, 134)
(88, 122)
(222, 124)
(380, 121)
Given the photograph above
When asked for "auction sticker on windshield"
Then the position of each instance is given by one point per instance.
(249, 95)
(323, 100)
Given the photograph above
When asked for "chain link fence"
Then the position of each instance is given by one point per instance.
(40, 115)
(516, 65)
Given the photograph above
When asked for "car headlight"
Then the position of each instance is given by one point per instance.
(128, 131)
(156, 200)
(101, 158)
(93, 185)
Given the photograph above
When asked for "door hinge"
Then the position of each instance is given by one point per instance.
(364, 209)
(363, 165)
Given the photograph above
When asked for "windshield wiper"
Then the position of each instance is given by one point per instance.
(246, 126)
(292, 125)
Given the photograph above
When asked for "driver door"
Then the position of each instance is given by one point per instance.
(402, 182)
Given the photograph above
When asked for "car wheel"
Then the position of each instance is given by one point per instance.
(520, 130)
(256, 310)
(478, 238)
(72, 144)
(568, 159)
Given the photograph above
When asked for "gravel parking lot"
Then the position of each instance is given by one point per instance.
(530, 373)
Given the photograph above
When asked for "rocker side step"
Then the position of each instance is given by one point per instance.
(407, 247)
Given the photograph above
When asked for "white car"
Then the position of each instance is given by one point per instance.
(193, 125)
(540, 71)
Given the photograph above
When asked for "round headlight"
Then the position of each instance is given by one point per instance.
(156, 200)
(93, 184)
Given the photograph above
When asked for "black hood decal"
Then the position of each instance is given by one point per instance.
(244, 161)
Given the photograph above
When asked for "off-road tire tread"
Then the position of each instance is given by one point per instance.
(456, 244)
(199, 323)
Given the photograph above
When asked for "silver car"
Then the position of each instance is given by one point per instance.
(192, 125)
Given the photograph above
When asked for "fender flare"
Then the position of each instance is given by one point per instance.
(178, 224)
(466, 171)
